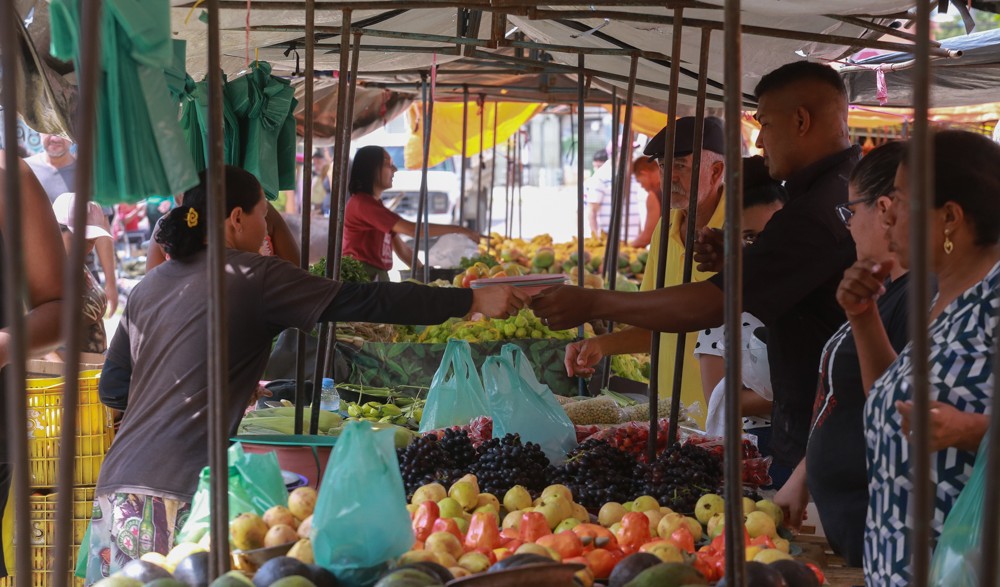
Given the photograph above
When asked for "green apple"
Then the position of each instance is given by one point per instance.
(516, 498)
(645, 503)
(775, 511)
(431, 492)
(567, 524)
(708, 505)
(450, 508)
(611, 513)
(761, 524)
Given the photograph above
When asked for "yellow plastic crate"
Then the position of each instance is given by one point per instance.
(45, 412)
(43, 535)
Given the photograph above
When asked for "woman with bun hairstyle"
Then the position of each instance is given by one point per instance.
(157, 369)
(372, 232)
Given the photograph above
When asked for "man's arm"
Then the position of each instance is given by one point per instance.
(116, 376)
(652, 217)
(282, 241)
(403, 250)
(681, 308)
(581, 356)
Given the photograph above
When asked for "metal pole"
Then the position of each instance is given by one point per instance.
(580, 204)
(482, 167)
(617, 194)
(335, 227)
(508, 190)
(306, 211)
(921, 169)
(692, 225)
(465, 161)
(17, 423)
(735, 548)
(218, 347)
(520, 185)
(427, 207)
(422, 203)
(493, 172)
(662, 245)
(89, 76)
(616, 113)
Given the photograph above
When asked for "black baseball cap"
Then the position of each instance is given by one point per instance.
(714, 139)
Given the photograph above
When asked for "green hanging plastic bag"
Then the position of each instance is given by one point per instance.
(255, 485)
(958, 555)
(519, 404)
(360, 523)
(456, 395)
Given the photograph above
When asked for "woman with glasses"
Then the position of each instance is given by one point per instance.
(834, 471)
(964, 235)
(373, 232)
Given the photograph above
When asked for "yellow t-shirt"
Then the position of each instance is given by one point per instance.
(691, 390)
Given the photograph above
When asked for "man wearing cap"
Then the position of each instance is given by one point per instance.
(790, 274)
(582, 356)
(99, 240)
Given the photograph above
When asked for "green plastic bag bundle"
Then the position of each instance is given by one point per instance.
(139, 147)
(360, 523)
(958, 555)
(255, 485)
(519, 404)
(456, 395)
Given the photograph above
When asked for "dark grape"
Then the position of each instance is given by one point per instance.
(679, 476)
(596, 473)
(506, 462)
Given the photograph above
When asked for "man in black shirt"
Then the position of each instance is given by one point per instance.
(792, 271)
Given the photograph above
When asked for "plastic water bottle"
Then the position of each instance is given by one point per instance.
(329, 399)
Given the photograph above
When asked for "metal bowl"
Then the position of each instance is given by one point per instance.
(535, 575)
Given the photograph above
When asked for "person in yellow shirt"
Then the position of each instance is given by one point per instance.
(581, 357)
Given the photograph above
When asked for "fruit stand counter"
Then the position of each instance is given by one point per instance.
(395, 364)
(816, 550)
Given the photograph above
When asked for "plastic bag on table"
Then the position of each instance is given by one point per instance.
(958, 555)
(255, 485)
(456, 395)
(449, 250)
(632, 437)
(361, 522)
(520, 404)
(756, 468)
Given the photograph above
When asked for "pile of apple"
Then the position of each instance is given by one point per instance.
(467, 531)
(278, 526)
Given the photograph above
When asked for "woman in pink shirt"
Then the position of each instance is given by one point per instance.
(372, 232)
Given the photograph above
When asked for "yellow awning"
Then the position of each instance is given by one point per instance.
(446, 128)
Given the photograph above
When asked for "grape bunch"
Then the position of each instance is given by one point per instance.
(423, 461)
(506, 462)
(597, 473)
(680, 475)
(459, 455)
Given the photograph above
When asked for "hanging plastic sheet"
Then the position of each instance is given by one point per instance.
(140, 149)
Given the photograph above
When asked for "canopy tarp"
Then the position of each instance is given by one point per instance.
(446, 129)
(970, 79)
(373, 108)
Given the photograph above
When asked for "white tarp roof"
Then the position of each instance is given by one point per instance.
(760, 54)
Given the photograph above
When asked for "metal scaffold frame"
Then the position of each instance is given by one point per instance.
(921, 45)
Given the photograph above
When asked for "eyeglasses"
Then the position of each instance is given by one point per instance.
(844, 210)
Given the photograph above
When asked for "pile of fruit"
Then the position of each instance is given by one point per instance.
(187, 563)
(524, 325)
(640, 543)
(542, 255)
(282, 420)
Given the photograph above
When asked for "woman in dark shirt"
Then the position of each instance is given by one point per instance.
(834, 471)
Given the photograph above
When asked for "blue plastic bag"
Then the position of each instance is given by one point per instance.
(360, 523)
(520, 404)
(456, 395)
(255, 485)
(958, 555)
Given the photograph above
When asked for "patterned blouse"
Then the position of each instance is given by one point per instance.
(961, 374)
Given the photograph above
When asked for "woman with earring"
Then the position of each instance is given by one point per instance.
(372, 232)
(965, 259)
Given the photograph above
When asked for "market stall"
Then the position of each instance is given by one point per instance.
(568, 479)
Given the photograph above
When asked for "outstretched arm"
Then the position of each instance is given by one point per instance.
(681, 308)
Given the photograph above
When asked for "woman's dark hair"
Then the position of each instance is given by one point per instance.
(965, 172)
(182, 231)
(759, 189)
(367, 163)
(875, 174)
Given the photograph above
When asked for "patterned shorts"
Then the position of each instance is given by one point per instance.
(125, 526)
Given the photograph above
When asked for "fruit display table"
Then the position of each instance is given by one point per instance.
(816, 550)
(395, 364)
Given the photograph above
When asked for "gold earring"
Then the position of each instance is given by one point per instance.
(948, 245)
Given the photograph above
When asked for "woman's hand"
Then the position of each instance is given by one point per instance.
(581, 356)
(862, 285)
(498, 301)
(949, 426)
(793, 497)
